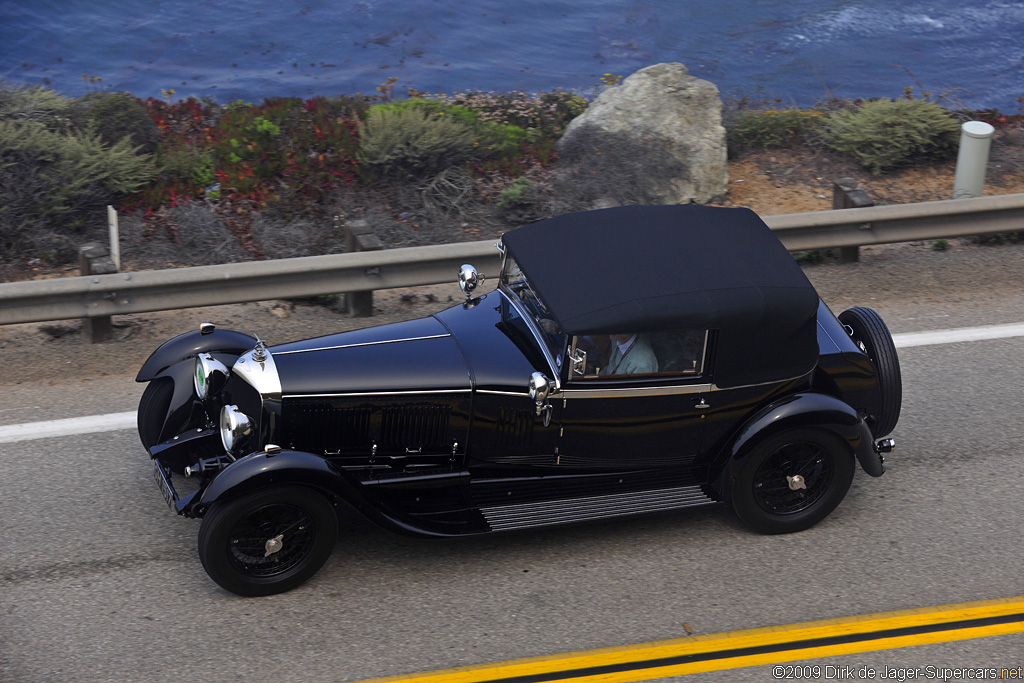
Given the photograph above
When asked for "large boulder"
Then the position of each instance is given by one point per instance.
(669, 122)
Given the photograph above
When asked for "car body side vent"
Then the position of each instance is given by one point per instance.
(318, 426)
(415, 427)
(515, 427)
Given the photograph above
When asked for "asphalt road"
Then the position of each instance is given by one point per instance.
(99, 582)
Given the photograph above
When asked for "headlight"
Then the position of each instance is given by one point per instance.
(209, 375)
(235, 427)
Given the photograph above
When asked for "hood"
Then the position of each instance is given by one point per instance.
(415, 355)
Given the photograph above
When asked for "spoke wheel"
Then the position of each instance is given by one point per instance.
(792, 480)
(267, 541)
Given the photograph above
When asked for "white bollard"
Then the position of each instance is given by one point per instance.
(975, 142)
(115, 237)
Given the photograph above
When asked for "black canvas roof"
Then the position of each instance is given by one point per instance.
(651, 268)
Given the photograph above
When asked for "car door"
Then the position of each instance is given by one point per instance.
(639, 420)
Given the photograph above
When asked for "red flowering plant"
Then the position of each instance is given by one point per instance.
(284, 150)
(186, 128)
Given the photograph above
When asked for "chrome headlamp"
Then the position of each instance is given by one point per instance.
(209, 375)
(235, 427)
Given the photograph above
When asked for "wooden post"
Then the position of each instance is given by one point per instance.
(848, 194)
(359, 237)
(94, 259)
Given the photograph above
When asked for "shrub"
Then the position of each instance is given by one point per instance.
(771, 128)
(884, 134)
(596, 166)
(286, 151)
(411, 142)
(34, 104)
(186, 163)
(55, 184)
(494, 139)
(541, 116)
(117, 115)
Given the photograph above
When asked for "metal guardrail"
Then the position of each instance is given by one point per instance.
(156, 290)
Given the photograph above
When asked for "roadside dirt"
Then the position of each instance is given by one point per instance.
(780, 182)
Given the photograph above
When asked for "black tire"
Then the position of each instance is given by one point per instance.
(237, 539)
(872, 336)
(762, 492)
(153, 405)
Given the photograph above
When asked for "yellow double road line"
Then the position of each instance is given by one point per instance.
(749, 647)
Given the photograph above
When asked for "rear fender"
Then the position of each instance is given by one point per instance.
(808, 409)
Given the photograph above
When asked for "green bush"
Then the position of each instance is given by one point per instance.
(494, 139)
(541, 116)
(186, 163)
(884, 134)
(769, 128)
(116, 115)
(55, 184)
(34, 104)
(411, 142)
(517, 197)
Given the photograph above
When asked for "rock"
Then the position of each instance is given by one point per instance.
(661, 108)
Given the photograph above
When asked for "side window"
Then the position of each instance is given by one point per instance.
(644, 354)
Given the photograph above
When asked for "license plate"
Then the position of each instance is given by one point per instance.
(163, 481)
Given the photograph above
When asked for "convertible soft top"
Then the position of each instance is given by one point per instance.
(653, 268)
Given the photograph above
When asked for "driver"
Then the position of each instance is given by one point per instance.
(631, 354)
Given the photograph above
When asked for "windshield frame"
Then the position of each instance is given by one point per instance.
(519, 292)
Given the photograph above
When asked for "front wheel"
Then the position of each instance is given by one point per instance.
(267, 541)
(792, 480)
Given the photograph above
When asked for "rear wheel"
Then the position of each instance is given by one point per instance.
(792, 480)
(153, 406)
(268, 541)
(870, 333)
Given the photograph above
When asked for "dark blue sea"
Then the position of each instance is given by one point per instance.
(797, 51)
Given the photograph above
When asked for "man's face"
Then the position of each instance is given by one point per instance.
(621, 338)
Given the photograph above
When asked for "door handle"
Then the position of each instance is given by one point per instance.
(702, 405)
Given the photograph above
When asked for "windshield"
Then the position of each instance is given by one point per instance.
(550, 332)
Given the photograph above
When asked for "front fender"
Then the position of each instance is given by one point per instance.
(808, 409)
(189, 345)
(262, 469)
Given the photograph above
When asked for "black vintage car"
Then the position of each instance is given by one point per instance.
(631, 360)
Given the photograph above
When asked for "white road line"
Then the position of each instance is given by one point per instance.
(68, 427)
(964, 334)
(117, 421)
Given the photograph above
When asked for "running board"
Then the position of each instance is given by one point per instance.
(548, 512)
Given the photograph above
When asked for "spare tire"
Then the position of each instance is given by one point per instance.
(870, 333)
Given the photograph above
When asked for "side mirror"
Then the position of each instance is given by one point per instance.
(469, 279)
(540, 389)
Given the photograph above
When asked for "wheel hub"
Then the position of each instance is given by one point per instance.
(274, 545)
(796, 482)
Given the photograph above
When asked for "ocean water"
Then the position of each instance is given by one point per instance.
(796, 51)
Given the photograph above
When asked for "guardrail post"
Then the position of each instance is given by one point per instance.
(359, 237)
(94, 259)
(848, 194)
